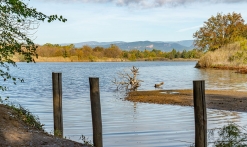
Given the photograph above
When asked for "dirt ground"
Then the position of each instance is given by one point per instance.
(14, 132)
(215, 99)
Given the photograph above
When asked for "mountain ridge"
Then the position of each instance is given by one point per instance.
(141, 45)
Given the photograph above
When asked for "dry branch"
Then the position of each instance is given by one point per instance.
(128, 80)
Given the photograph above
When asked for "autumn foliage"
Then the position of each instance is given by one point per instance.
(224, 38)
(111, 53)
(220, 30)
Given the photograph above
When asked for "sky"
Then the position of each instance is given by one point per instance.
(128, 20)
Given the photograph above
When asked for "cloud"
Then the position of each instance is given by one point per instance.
(152, 3)
(190, 28)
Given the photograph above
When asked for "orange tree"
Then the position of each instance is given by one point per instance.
(220, 30)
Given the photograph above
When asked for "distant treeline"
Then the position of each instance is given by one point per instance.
(93, 54)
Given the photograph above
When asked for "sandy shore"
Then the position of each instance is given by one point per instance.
(215, 99)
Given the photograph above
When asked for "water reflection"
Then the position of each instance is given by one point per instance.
(124, 123)
(135, 110)
(223, 79)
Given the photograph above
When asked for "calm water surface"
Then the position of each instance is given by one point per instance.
(124, 123)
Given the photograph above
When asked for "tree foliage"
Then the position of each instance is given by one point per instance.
(219, 31)
(16, 22)
(87, 53)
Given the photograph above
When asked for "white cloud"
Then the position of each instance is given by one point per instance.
(189, 28)
(151, 3)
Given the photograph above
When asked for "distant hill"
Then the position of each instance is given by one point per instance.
(142, 45)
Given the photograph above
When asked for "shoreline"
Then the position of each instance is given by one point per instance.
(229, 100)
(14, 131)
(71, 59)
(241, 70)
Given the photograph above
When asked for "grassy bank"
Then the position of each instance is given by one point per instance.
(232, 56)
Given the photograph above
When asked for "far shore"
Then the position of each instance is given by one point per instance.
(215, 99)
(75, 59)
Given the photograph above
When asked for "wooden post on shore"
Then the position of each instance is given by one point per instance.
(96, 112)
(57, 104)
(200, 114)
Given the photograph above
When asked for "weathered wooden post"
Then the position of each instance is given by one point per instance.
(57, 104)
(200, 114)
(96, 112)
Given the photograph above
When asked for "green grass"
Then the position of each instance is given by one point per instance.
(26, 116)
(23, 114)
(230, 135)
(86, 141)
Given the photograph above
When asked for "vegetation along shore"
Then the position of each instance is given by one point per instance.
(224, 44)
(18, 127)
(57, 53)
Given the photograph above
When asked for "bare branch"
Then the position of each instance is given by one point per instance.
(128, 80)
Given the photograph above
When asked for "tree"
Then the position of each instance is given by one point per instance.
(219, 31)
(98, 49)
(184, 54)
(16, 22)
(172, 54)
(98, 52)
(113, 51)
(67, 50)
(87, 51)
(128, 80)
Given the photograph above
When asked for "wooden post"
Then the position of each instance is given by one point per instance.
(200, 114)
(96, 112)
(57, 104)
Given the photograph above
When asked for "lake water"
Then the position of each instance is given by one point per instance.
(124, 123)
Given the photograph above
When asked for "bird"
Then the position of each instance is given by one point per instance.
(158, 85)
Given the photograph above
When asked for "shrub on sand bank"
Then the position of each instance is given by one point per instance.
(230, 56)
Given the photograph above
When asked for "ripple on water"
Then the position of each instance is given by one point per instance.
(124, 123)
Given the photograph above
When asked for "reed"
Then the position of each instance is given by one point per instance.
(230, 56)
